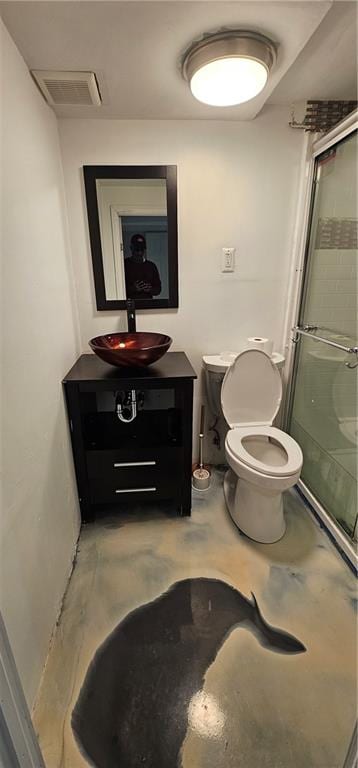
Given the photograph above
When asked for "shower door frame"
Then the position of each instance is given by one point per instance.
(18, 740)
(296, 298)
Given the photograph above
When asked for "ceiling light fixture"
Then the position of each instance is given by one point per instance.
(229, 67)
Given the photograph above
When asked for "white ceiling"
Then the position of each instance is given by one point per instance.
(135, 49)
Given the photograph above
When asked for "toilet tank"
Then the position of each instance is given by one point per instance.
(215, 367)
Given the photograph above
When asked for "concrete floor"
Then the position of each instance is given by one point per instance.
(255, 708)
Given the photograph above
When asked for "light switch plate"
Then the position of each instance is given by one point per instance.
(228, 259)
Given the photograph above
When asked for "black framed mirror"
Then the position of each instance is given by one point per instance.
(132, 219)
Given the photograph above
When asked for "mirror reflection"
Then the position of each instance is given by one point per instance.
(132, 225)
(134, 231)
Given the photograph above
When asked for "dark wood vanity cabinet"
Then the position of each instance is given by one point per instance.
(149, 458)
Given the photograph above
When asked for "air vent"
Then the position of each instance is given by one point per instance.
(68, 87)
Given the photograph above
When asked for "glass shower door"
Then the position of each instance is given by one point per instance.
(323, 413)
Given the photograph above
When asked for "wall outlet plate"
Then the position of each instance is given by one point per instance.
(228, 259)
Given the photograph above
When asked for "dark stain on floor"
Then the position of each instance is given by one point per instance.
(198, 535)
(133, 706)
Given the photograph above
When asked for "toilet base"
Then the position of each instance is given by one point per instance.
(257, 512)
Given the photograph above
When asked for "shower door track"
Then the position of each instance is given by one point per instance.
(341, 541)
(303, 224)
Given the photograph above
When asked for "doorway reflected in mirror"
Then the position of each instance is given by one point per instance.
(132, 216)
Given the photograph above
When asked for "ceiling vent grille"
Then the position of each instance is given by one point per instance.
(61, 88)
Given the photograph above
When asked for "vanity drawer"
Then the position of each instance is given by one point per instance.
(140, 486)
(116, 476)
(122, 465)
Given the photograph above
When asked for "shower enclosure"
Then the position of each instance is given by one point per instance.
(322, 414)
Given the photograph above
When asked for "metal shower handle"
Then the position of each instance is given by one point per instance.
(306, 330)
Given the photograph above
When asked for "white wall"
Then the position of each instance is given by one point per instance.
(39, 522)
(237, 186)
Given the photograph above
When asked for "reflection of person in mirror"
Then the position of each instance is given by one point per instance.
(142, 276)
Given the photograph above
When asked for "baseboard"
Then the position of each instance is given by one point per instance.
(58, 617)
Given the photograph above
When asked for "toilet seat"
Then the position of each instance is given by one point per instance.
(234, 444)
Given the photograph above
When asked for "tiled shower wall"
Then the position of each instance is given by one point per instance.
(332, 304)
(333, 292)
(332, 295)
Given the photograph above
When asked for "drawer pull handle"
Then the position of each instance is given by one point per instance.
(134, 464)
(134, 490)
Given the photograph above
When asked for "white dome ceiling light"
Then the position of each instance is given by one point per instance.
(229, 68)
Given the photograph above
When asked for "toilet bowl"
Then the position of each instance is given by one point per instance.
(264, 461)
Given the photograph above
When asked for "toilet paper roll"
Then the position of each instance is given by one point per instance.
(259, 342)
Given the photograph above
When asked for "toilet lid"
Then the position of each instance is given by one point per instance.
(251, 391)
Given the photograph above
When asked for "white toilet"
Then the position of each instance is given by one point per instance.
(263, 460)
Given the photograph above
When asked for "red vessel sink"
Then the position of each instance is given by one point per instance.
(134, 350)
